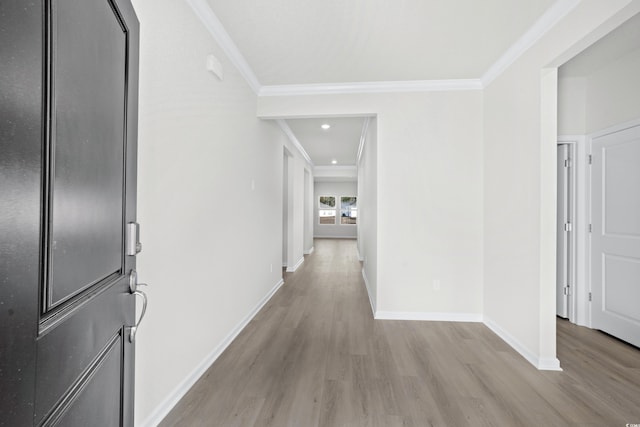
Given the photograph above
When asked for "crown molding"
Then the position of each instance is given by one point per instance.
(203, 11)
(363, 137)
(371, 87)
(287, 131)
(542, 26)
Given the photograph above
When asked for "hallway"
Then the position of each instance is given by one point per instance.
(314, 356)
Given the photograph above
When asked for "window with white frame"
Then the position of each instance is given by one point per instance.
(348, 210)
(327, 210)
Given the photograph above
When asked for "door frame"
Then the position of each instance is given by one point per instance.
(579, 310)
(570, 246)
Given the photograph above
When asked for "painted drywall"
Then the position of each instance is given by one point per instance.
(368, 211)
(613, 93)
(337, 189)
(519, 182)
(209, 174)
(429, 192)
(604, 97)
(572, 105)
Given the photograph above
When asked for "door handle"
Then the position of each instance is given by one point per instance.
(134, 329)
(133, 289)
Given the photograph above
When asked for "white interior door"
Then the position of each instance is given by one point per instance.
(615, 251)
(563, 255)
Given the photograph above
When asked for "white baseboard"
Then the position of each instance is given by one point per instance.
(371, 301)
(178, 393)
(360, 257)
(310, 251)
(295, 267)
(436, 316)
(543, 364)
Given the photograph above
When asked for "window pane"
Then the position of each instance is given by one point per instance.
(348, 210)
(348, 202)
(327, 202)
(327, 216)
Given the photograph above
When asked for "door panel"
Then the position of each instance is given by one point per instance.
(90, 401)
(620, 299)
(100, 387)
(88, 104)
(616, 234)
(622, 198)
(71, 347)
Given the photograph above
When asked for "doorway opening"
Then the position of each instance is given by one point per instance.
(599, 253)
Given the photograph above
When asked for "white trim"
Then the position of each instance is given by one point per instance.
(363, 137)
(371, 87)
(287, 131)
(580, 312)
(371, 301)
(435, 316)
(212, 23)
(543, 364)
(360, 257)
(546, 22)
(310, 251)
(185, 385)
(295, 267)
(578, 227)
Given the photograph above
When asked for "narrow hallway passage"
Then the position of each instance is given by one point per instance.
(314, 356)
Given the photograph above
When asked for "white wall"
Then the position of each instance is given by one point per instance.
(337, 189)
(201, 151)
(519, 182)
(368, 211)
(613, 93)
(429, 155)
(603, 97)
(572, 105)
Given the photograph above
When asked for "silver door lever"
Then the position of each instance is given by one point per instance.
(134, 329)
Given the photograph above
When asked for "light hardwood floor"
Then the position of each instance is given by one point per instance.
(314, 356)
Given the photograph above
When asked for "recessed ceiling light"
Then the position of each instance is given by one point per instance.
(334, 161)
(325, 126)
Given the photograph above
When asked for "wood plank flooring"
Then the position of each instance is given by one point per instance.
(314, 356)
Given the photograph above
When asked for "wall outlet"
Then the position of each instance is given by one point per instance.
(436, 285)
(271, 266)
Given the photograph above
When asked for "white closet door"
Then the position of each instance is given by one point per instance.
(615, 251)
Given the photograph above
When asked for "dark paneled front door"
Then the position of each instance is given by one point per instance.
(68, 105)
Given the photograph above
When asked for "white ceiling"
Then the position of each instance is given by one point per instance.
(340, 142)
(618, 43)
(302, 42)
(337, 41)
